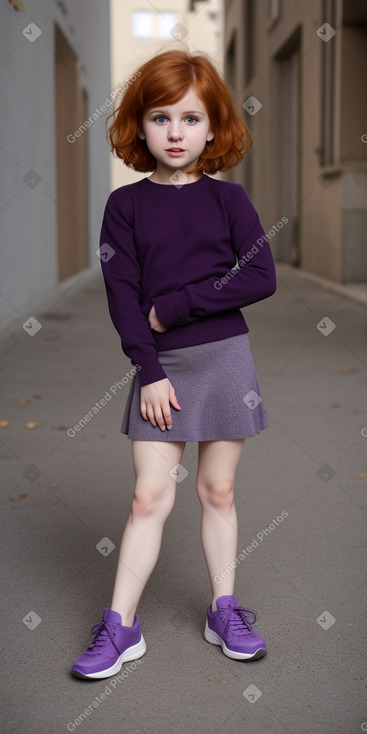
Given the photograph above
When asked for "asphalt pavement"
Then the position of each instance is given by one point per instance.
(66, 495)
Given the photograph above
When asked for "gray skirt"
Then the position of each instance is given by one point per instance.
(217, 387)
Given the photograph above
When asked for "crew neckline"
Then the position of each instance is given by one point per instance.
(173, 186)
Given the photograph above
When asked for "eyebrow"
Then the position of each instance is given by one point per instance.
(188, 112)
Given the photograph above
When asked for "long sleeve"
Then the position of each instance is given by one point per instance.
(252, 280)
(121, 273)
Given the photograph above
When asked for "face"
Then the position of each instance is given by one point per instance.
(184, 126)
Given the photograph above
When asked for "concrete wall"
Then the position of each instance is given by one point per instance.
(308, 156)
(29, 215)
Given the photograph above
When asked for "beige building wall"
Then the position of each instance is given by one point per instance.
(309, 125)
(202, 31)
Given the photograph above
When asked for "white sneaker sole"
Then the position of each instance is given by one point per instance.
(131, 653)
(214, 638)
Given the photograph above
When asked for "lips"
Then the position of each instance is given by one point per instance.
(175, 150)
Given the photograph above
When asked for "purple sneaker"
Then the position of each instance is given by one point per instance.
(113, 645)
(229, 627)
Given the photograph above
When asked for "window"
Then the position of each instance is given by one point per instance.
(147, 24)
(142, 24)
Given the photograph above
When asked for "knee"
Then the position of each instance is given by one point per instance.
(152, 500)
(218, 494)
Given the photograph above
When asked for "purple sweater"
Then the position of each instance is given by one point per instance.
(197, 252)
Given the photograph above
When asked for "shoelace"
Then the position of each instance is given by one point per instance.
(238, 620)
(102, 631)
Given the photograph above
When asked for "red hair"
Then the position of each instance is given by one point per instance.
(165, 79)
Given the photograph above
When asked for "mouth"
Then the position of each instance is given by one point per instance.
(175, 150)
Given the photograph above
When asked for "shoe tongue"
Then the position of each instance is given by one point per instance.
(111, 617)
(224, 602)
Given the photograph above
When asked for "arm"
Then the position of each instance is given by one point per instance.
(121, 273)
(254, 280)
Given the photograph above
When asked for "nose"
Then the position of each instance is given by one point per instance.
(174, 131)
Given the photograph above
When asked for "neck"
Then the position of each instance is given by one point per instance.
(170, 177)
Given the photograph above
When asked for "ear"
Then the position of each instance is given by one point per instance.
(209, 136)
(141, 135)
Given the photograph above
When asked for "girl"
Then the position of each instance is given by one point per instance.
(168, 248)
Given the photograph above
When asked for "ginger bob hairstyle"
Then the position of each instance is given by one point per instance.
(164, 80)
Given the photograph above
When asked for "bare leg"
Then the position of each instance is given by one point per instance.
(217, 466)
(153, 501)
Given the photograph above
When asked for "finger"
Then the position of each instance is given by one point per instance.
(150, 414)
(174, 400)
(167, 417)
(159, 418)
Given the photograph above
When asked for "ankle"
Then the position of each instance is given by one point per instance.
(127, 620)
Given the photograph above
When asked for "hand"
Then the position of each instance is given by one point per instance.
(154, 323)
(154, 403)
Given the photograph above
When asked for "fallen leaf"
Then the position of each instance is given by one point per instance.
(22, 401)
(362, 476)
(4, 424)
(348, 369)
(32, 424)
(62, 427)
(18, 497)
(37, 397)
(213, 677)
(53, 484)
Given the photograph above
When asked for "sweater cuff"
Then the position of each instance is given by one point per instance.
(151, 371)
(172, 309)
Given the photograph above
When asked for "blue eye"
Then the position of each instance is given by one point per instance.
(163, 117)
